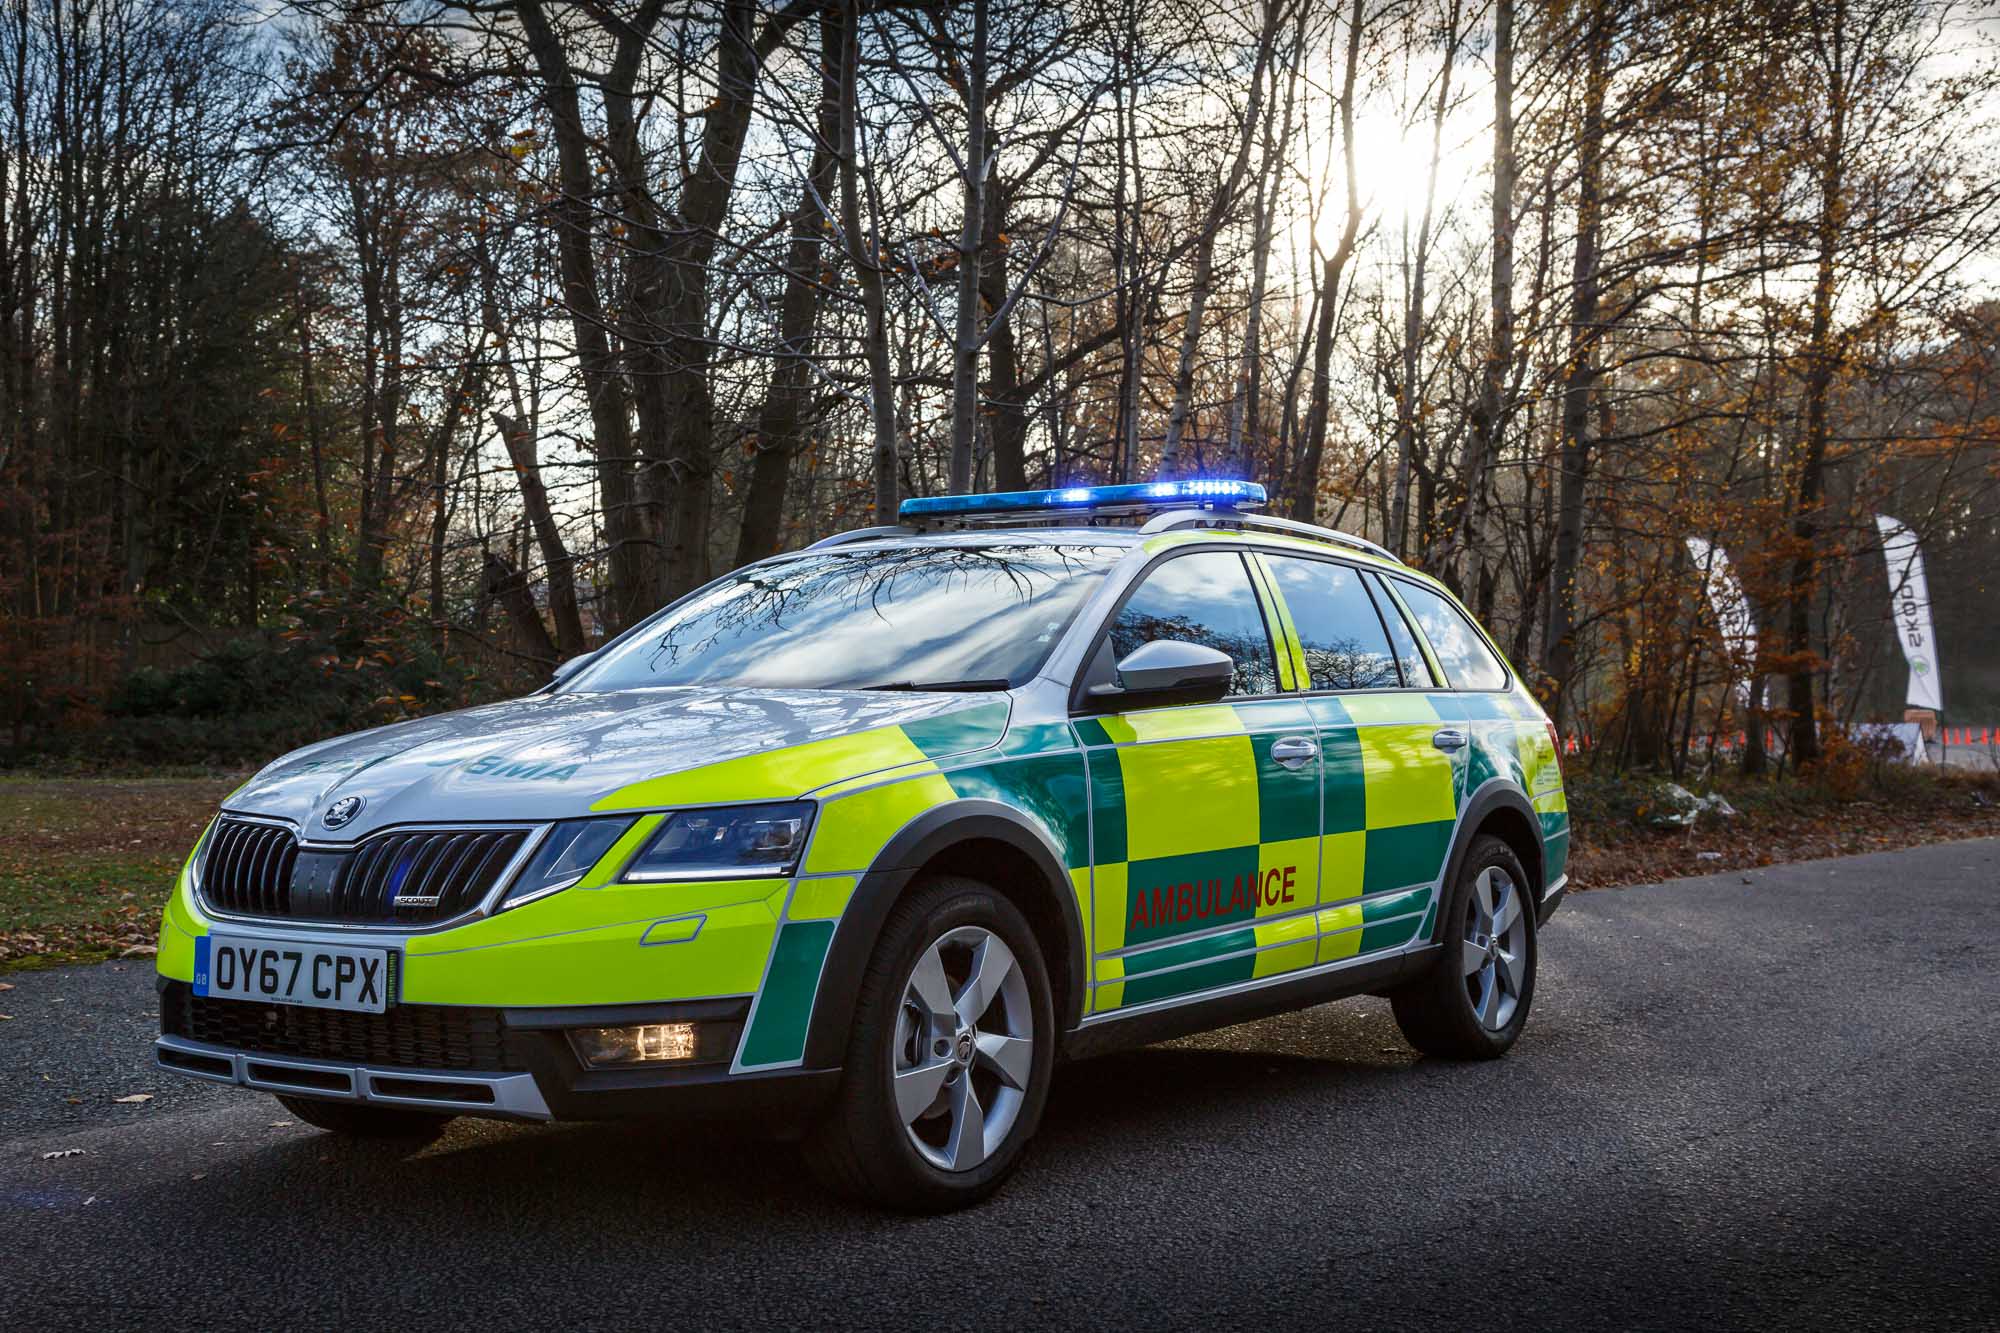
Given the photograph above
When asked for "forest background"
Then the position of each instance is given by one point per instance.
(360, 360)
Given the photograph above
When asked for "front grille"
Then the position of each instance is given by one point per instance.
(408, 1036)
(248, 868)
(406, 879)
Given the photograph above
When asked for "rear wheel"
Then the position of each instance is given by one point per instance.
(358, 1120)
(948, 1065)
(1474, 1001)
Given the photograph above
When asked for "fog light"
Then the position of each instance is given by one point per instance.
(648, 1043)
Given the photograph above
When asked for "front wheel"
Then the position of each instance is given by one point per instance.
(1473, 1003)
(949, 1062)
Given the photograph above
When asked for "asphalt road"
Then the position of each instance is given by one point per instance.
(1763, 1100)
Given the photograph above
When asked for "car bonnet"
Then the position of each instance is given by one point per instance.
(556, 756)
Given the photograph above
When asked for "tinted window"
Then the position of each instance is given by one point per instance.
(1202, 598)
(1416, 671)
(862, 619)
(1345, 645)
(1467, 662)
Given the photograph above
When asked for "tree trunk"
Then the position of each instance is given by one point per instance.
(865, 253)
(1823, 358)
(1580, 375)
(1305, 482)
(1219, 209)
(968, 330)
(1490, 421)
(1244, 404)
(507, 586)
(781, 422)
(1408, 408)
(1007, 406)
(629, 593)
(556, 558)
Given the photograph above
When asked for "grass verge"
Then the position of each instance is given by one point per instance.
(86, 863)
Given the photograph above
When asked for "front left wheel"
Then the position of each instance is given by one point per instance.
(948, 1066)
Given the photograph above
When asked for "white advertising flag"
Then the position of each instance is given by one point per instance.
(1732, 610)
(1910, 604)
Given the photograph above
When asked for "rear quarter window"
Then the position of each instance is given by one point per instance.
(1462, 654)
(1345, 644)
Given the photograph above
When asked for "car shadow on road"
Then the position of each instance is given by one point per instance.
(1111, 1112)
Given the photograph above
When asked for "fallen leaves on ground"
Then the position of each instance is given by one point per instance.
(1610, 855)
(85, 941)
(132, 1099)
(86, 863)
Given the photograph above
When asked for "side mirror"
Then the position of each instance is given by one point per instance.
(1164, 673)
(565, 670)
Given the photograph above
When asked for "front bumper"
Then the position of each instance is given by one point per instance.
(502, 1096)
(507, 1064)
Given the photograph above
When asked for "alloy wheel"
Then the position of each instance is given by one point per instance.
(965, 1041)
(1495, 949)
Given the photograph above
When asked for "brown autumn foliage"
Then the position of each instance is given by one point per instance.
(414, 349)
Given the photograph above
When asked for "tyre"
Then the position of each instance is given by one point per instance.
(949, 1061)
(1474, 1002)
(358, 1120)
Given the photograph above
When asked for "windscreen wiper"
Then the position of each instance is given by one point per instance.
(943, 686)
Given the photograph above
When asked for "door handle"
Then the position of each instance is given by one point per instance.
(1295, 751)
(1448, 738)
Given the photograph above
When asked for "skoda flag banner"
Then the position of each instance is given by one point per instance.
(1732, 610)
(1910, 602)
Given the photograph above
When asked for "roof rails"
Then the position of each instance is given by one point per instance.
(861, 535)
(1200, 518)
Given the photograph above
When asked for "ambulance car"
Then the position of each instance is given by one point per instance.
(863, 841)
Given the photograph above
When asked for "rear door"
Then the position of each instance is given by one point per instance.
(1507, 737)
(1389, 767)
(1204, 819)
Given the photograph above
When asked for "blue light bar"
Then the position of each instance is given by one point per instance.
(1205, 494)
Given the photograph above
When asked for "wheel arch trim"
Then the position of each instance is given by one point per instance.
(931, 835)
(1493, 795)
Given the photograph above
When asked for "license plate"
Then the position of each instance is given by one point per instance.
(322, 976)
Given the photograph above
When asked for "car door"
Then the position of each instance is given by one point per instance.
(1389, 757)
(1205, 819)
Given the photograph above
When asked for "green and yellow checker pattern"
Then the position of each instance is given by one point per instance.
(1205, 849)
(1036, 770)
(1188, 805)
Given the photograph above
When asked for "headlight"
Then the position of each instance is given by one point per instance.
(729, 843)
(565, 856)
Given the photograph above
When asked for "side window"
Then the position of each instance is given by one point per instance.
(1416, 671)
(1203, 598)
(1345, 645)
(1467, 662)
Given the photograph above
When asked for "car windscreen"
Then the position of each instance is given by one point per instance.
(904, 617)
